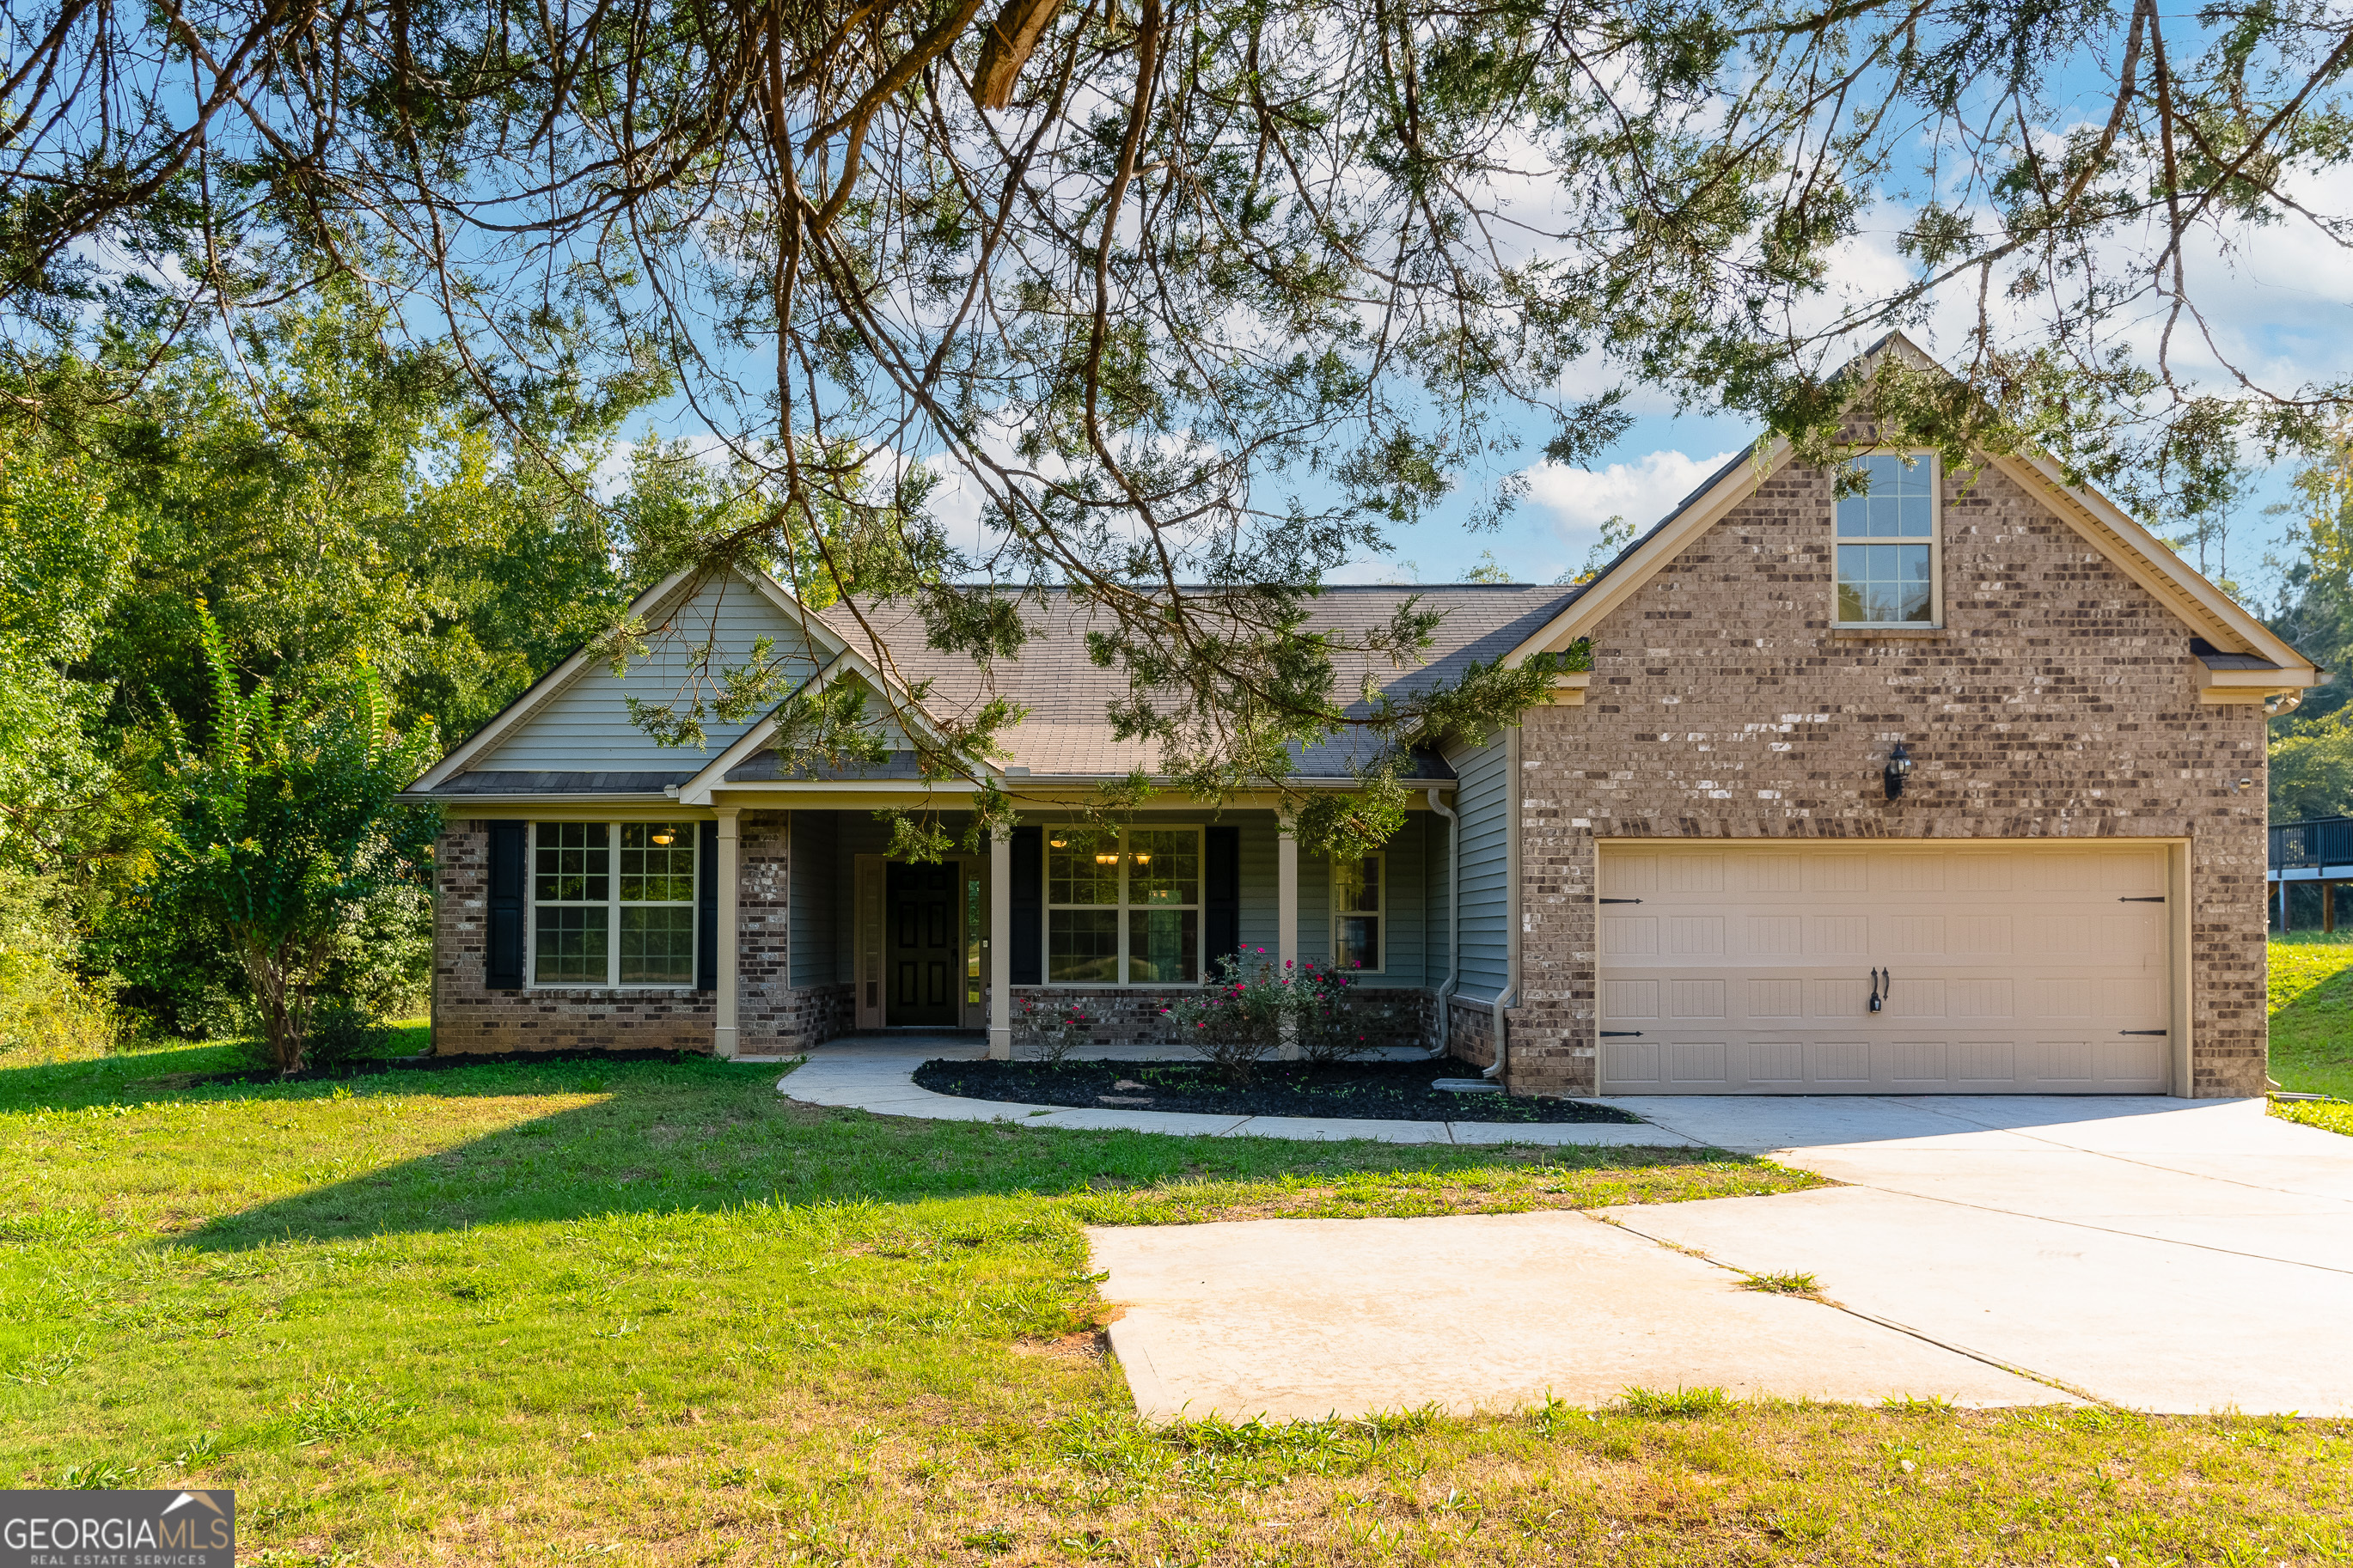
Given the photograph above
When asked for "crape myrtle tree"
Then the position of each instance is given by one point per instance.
(1198, 297)
(286, 828)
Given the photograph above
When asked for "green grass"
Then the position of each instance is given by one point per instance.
(2312, 1013)
(652, 1314)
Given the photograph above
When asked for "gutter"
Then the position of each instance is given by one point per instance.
(1508, 995)
(1454, 916)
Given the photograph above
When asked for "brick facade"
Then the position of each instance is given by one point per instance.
(2061, 700)
(774, 1017)
(1394, 1015)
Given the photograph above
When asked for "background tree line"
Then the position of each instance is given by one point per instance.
(297, 514)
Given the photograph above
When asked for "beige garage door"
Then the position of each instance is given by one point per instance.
(2000, 968)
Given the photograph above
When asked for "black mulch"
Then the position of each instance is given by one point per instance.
(1370, 1091)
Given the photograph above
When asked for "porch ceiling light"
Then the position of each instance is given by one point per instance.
(664, 837)
(1107, 857)
(1899, 765)
(1143, 859)
(1059, 842)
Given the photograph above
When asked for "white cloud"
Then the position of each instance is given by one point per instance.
(1580, 500)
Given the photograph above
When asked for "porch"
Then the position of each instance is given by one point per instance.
(829, 935)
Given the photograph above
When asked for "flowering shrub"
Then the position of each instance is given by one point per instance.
(1251, 1003)
(1051, 1032)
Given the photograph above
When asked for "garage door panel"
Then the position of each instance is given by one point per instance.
(2011, 970)
(1630, 936)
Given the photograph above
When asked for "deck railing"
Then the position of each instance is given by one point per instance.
(2328, 841)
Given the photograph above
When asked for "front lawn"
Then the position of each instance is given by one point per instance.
(2312, 1013)
(650, 1313)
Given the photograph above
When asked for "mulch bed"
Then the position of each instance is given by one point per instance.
(1366, 1091)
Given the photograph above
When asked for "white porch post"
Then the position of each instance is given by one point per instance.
(1000, 947)
(1286, 915)
(722, 1024)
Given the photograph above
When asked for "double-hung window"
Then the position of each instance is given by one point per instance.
(1887, 543)
(612, 903)
(1124, 910)
(1356, 892)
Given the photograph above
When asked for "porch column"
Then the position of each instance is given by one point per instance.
(1000, 947)
(2327, 907)
(1286, 915)
(2283, 904)
(723, 1024)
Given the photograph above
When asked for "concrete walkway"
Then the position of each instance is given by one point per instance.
(2160, 1254)
(876, 1073)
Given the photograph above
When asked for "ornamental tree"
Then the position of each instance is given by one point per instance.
(285, 825)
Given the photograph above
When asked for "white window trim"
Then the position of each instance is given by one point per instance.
(1935, 621)
(1379, 911)
(1123, 909)
(612, 981)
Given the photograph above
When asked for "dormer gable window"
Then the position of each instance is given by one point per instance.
(1888, 547)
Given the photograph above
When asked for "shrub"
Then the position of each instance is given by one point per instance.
(1049, 1033)
(1238, 1018)
(342, 1033)
(48, 1012)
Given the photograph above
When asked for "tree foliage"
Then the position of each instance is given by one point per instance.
(285, 828)
(1193, 302)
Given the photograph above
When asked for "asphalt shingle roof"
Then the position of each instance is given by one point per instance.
(1066, 732)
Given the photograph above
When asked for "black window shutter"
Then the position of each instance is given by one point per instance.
(1028, 905)
(502, 954)
(706, 909)
(1221, 903)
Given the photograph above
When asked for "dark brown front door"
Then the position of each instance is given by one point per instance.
(920, 961)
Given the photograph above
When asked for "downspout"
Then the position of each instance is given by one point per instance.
(1454, 917)
(1508, 995)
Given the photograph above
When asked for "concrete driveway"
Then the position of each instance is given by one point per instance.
(2161, 1253)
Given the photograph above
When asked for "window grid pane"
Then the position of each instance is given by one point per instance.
(1900, 504)
(1359, 941)
(1082, 947)
(1161, 945)
(1884, 583)
(653, 872)
(569, 944)
(1357, 887)
(1074, 876)
(1164, 867)
(656, 944)
(575, 863)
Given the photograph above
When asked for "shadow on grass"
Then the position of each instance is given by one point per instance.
(709, 1136)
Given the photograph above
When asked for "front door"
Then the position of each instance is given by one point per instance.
(920, 960)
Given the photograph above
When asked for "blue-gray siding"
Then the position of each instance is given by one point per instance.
(585, 726)
(1481, 799)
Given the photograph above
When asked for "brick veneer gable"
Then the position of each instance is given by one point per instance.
(2061, 700)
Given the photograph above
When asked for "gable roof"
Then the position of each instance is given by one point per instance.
(2211, 615)
(655, 606)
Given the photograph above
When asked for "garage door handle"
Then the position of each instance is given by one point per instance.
(2144, 1031)
(1618, 900)
(1622, 1034)
(2157, 900)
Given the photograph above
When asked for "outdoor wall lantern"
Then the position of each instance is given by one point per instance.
(1107, 857)
(664, 837)
(1143, 859)
(1059, 842)
(1899, 763)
